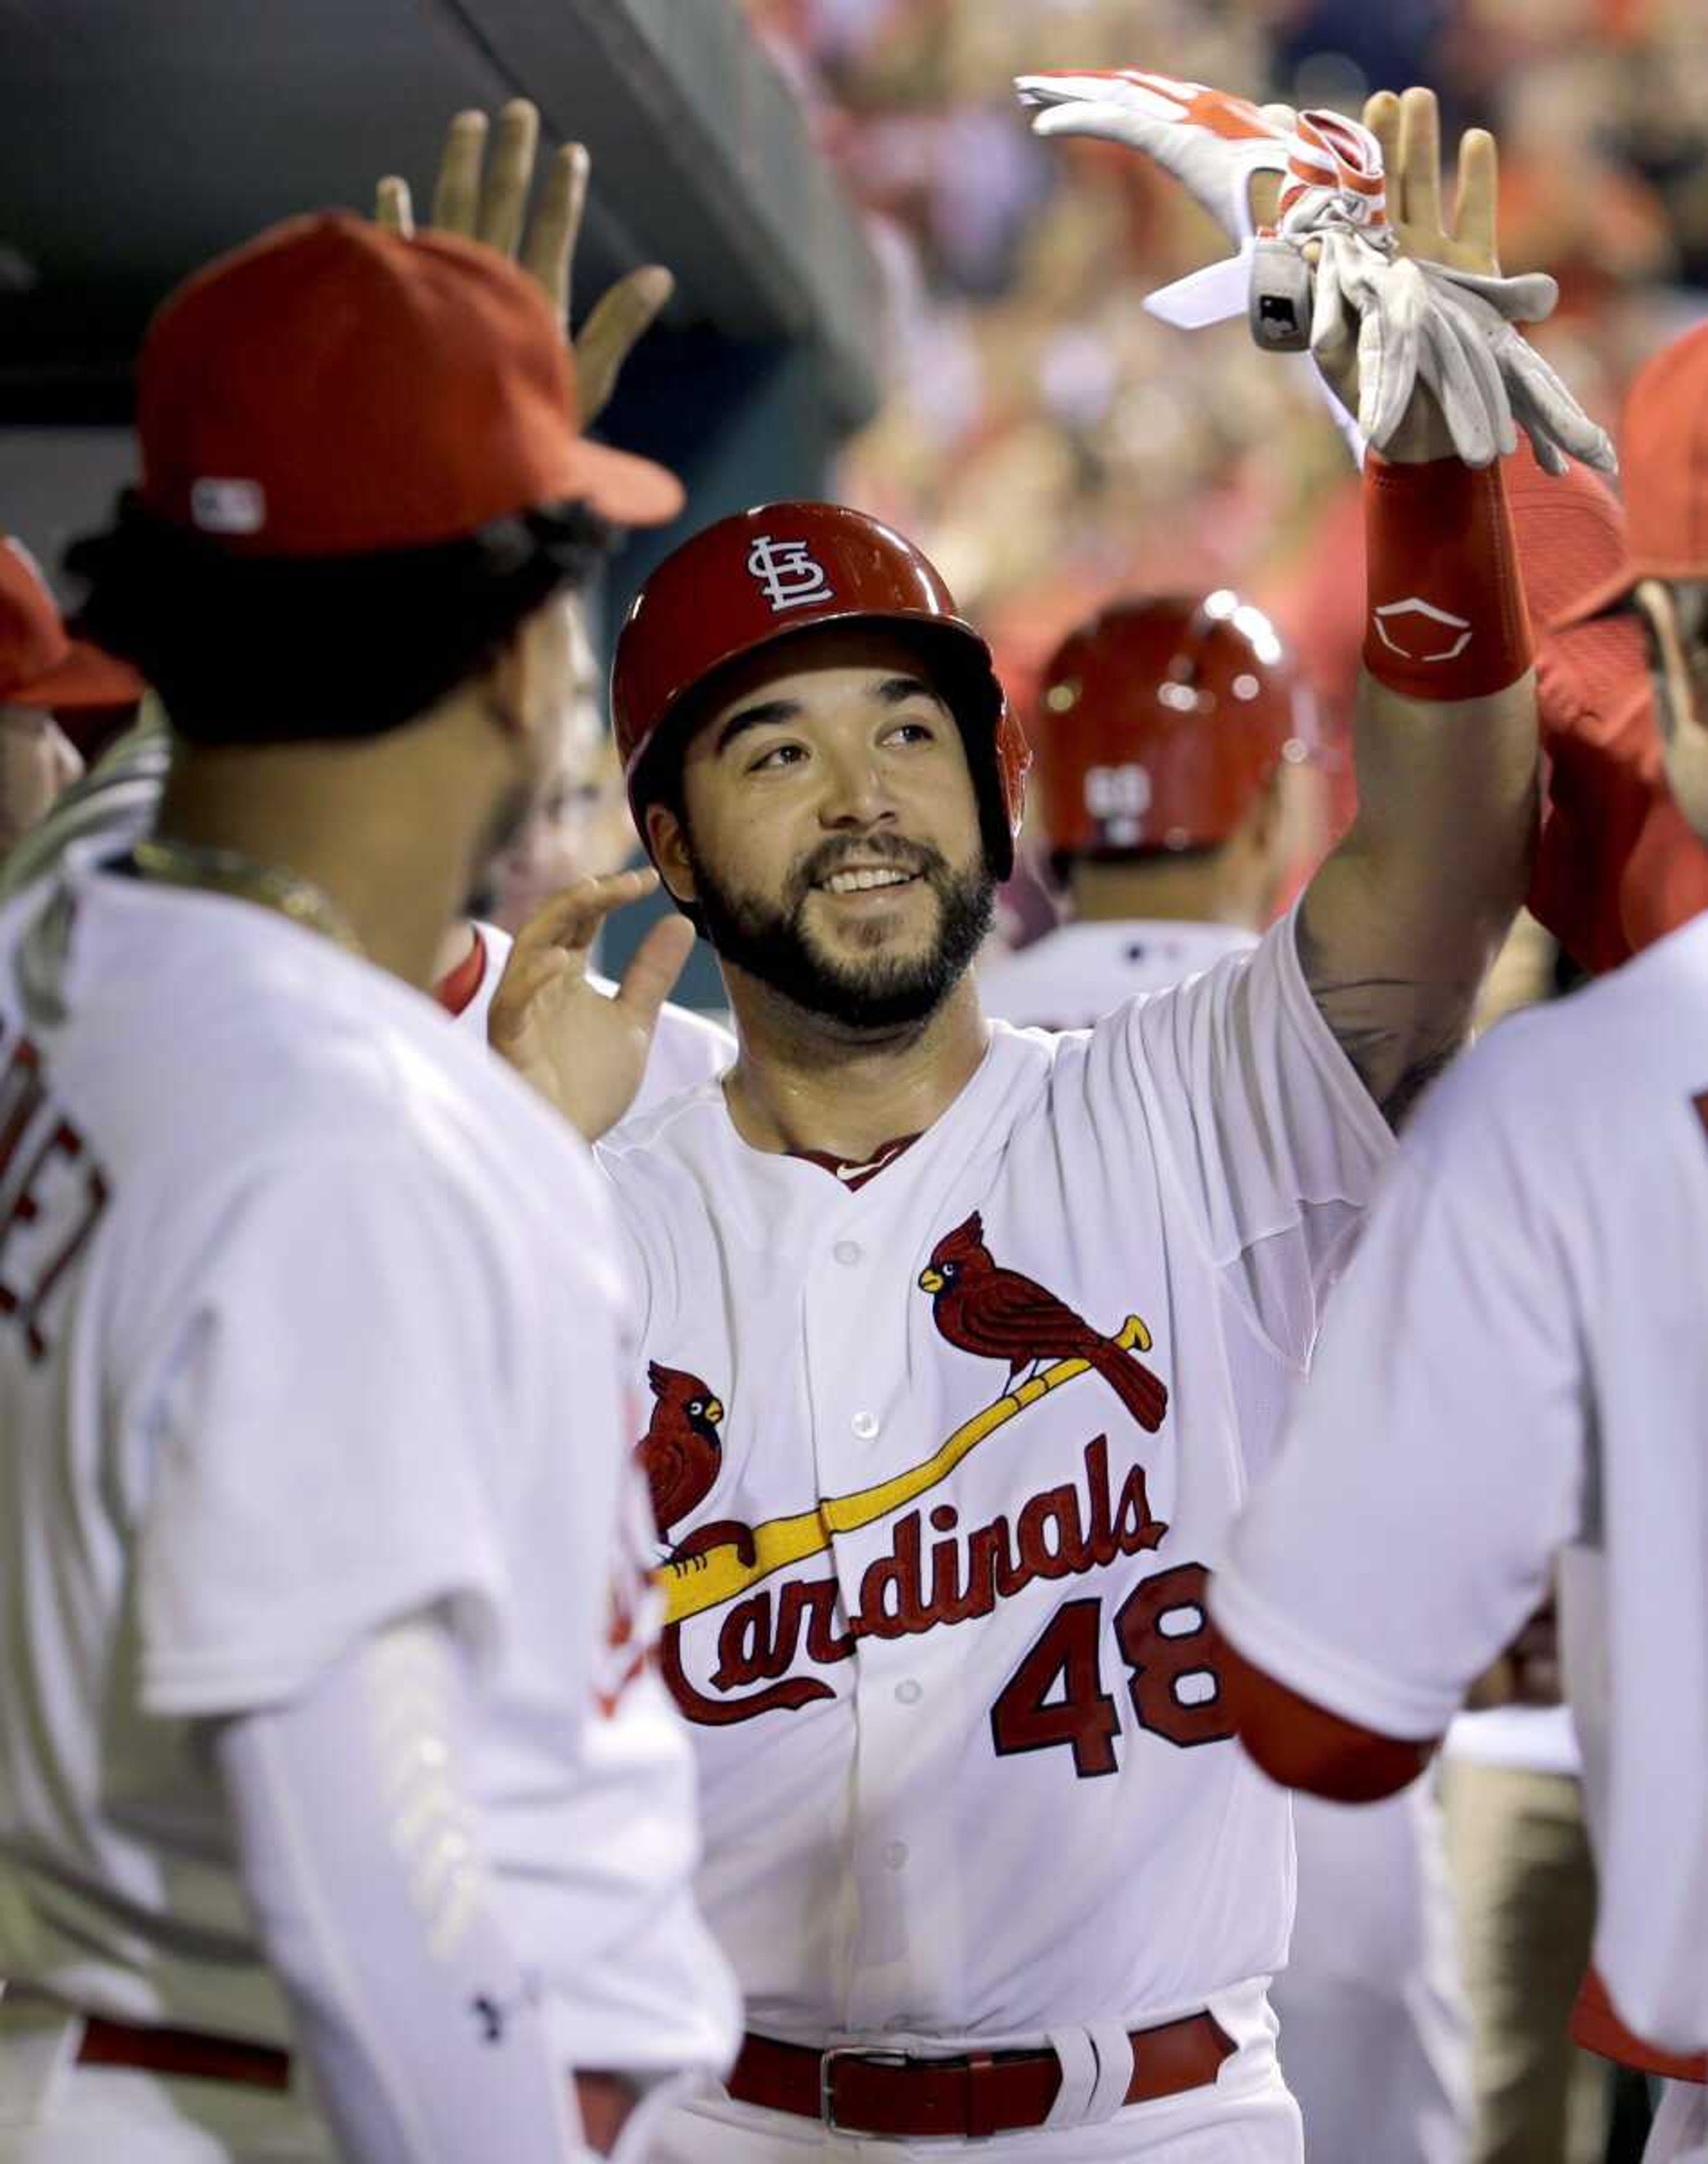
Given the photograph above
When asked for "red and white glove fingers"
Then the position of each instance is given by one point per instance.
(1210, 142)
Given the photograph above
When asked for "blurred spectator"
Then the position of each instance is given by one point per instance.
(1043, 434)
(45, 678)
(580, 827)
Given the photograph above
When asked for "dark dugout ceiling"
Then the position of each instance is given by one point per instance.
(138, 138)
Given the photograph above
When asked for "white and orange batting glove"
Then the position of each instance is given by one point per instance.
(1215, 145)
(1447, 322)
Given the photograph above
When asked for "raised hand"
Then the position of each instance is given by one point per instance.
(1214, 145)
(1443, 313)
(486, 198)
(584, 1050)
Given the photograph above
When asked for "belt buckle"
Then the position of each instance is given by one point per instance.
(827, 2083)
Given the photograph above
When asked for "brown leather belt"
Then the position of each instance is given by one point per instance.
(857, 2090)
(190, 2055)
(187, 2053)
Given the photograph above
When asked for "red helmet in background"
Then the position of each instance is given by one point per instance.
(1160, 721)
(762, 579)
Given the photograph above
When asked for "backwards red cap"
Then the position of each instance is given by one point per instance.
(39, 665)
(332, 389)
(1664, 475)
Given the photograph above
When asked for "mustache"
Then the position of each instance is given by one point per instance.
(840, 851)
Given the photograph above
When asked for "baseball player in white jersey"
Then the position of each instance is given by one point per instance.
(1512, 1381)
(117, 802)
(475, 197)
(328, 1732)
(1172, 736)
(963, 1343)
(1168, 736)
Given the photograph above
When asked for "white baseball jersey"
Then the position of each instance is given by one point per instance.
(117, 800)
(310, 1317)
(1515, 1368)
(1374, 2033)
(686, 1047)
(942, 1447)
(1075, 975)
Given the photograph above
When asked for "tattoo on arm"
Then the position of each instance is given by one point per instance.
(1397, 1037)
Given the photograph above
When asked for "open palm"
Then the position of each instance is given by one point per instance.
(486, 199)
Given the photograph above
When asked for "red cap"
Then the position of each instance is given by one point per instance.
(768, 575)
(39, 666)
(1572, 544)
(1160, 721)
(333, 390)
(1616, 864)
(1664, 473)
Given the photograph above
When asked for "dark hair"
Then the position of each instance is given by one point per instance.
(249, 649)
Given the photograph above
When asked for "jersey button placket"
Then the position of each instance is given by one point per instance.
(858, 1310)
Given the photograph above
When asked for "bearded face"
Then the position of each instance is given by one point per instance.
(870, 977)
(828, 833)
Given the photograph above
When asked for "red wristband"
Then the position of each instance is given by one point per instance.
(1447, 616)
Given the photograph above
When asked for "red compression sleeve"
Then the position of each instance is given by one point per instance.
(1303, 1746)
(1447, 617)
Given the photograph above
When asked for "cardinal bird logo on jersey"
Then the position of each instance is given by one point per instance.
(682, 1451)
(682, 1454)
(981, 1308)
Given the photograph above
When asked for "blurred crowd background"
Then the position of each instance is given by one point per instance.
(1050, 443)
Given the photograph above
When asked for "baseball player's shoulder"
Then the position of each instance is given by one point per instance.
(1078, 973)
(276, 1032)
(1578, 1091)
(688, 1049)
(1034, 987)
(1628, 1037)
(678, 1135)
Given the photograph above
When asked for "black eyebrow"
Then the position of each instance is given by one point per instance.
(775, 713)
(767, 713)
(896, 691)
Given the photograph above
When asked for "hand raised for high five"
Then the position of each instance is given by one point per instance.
(584, 1050)
(486, 198)
(1409, 315)
(1216, 145)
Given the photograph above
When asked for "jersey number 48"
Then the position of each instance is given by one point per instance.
(1055, 1696)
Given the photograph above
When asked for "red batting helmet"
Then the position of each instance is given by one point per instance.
(764, 577)
(1159, 722)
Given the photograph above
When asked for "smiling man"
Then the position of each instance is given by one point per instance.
(997, 1324)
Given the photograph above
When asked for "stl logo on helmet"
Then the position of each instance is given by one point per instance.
(789, 572)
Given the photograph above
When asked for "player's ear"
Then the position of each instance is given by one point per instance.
(1676, 616)
(1675, 703)
(667, 839)
(530, 682)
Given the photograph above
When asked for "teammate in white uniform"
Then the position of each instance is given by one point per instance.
(328, 1724)
(1166, 732)
(963, 1342)
(556, 843)
(1171, 735)
(1513, 1378)
(117, 801)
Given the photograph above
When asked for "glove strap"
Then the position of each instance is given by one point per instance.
(1447, 615)
(1332, 160)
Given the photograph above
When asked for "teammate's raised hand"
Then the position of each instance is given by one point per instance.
(585, 1051)
(1421, 343)
(486, 198)
(1215, 144)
